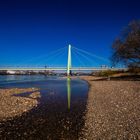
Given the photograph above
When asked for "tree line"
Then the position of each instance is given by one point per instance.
(126, 48)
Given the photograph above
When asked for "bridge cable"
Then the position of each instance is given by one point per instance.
(55, 56)
(90, 54)
(87, 58)
(78, 58)
(43, 56)
(58, 58)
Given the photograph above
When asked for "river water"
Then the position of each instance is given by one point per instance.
(60, 113)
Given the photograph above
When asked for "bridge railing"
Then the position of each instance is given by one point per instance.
(60, 68)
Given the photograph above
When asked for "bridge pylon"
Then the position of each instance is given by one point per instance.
(69, 61)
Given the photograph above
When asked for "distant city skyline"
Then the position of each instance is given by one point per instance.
(31, 28)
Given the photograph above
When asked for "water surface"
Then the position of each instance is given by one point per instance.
(61, 109)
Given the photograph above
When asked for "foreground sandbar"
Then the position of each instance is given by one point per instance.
(12, 104)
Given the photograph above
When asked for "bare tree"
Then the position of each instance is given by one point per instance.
(126, 49)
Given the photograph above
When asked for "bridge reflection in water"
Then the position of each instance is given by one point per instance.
(69, 91)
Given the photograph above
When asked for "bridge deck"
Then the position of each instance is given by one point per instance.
(63, 69)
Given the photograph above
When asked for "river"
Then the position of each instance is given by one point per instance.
(59, 114)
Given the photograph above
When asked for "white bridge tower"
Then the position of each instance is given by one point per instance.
(69, 61)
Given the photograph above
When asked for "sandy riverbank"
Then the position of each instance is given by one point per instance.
(113, 110)
(12, 103)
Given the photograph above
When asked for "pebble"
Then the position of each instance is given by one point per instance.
(12, 105)
(112, 110)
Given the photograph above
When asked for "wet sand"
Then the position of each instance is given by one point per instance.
(12, 105)
(113, 110)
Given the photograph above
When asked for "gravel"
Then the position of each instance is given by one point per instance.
(113, 110)
(13, 103)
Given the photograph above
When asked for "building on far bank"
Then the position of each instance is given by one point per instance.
(11, 72)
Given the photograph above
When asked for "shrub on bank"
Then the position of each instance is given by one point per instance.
(134, 70)
(107, 73)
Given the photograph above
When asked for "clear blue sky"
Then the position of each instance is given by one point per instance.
(30, 28)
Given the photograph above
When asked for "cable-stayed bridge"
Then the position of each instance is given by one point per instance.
(71, 52)
(61, 68)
